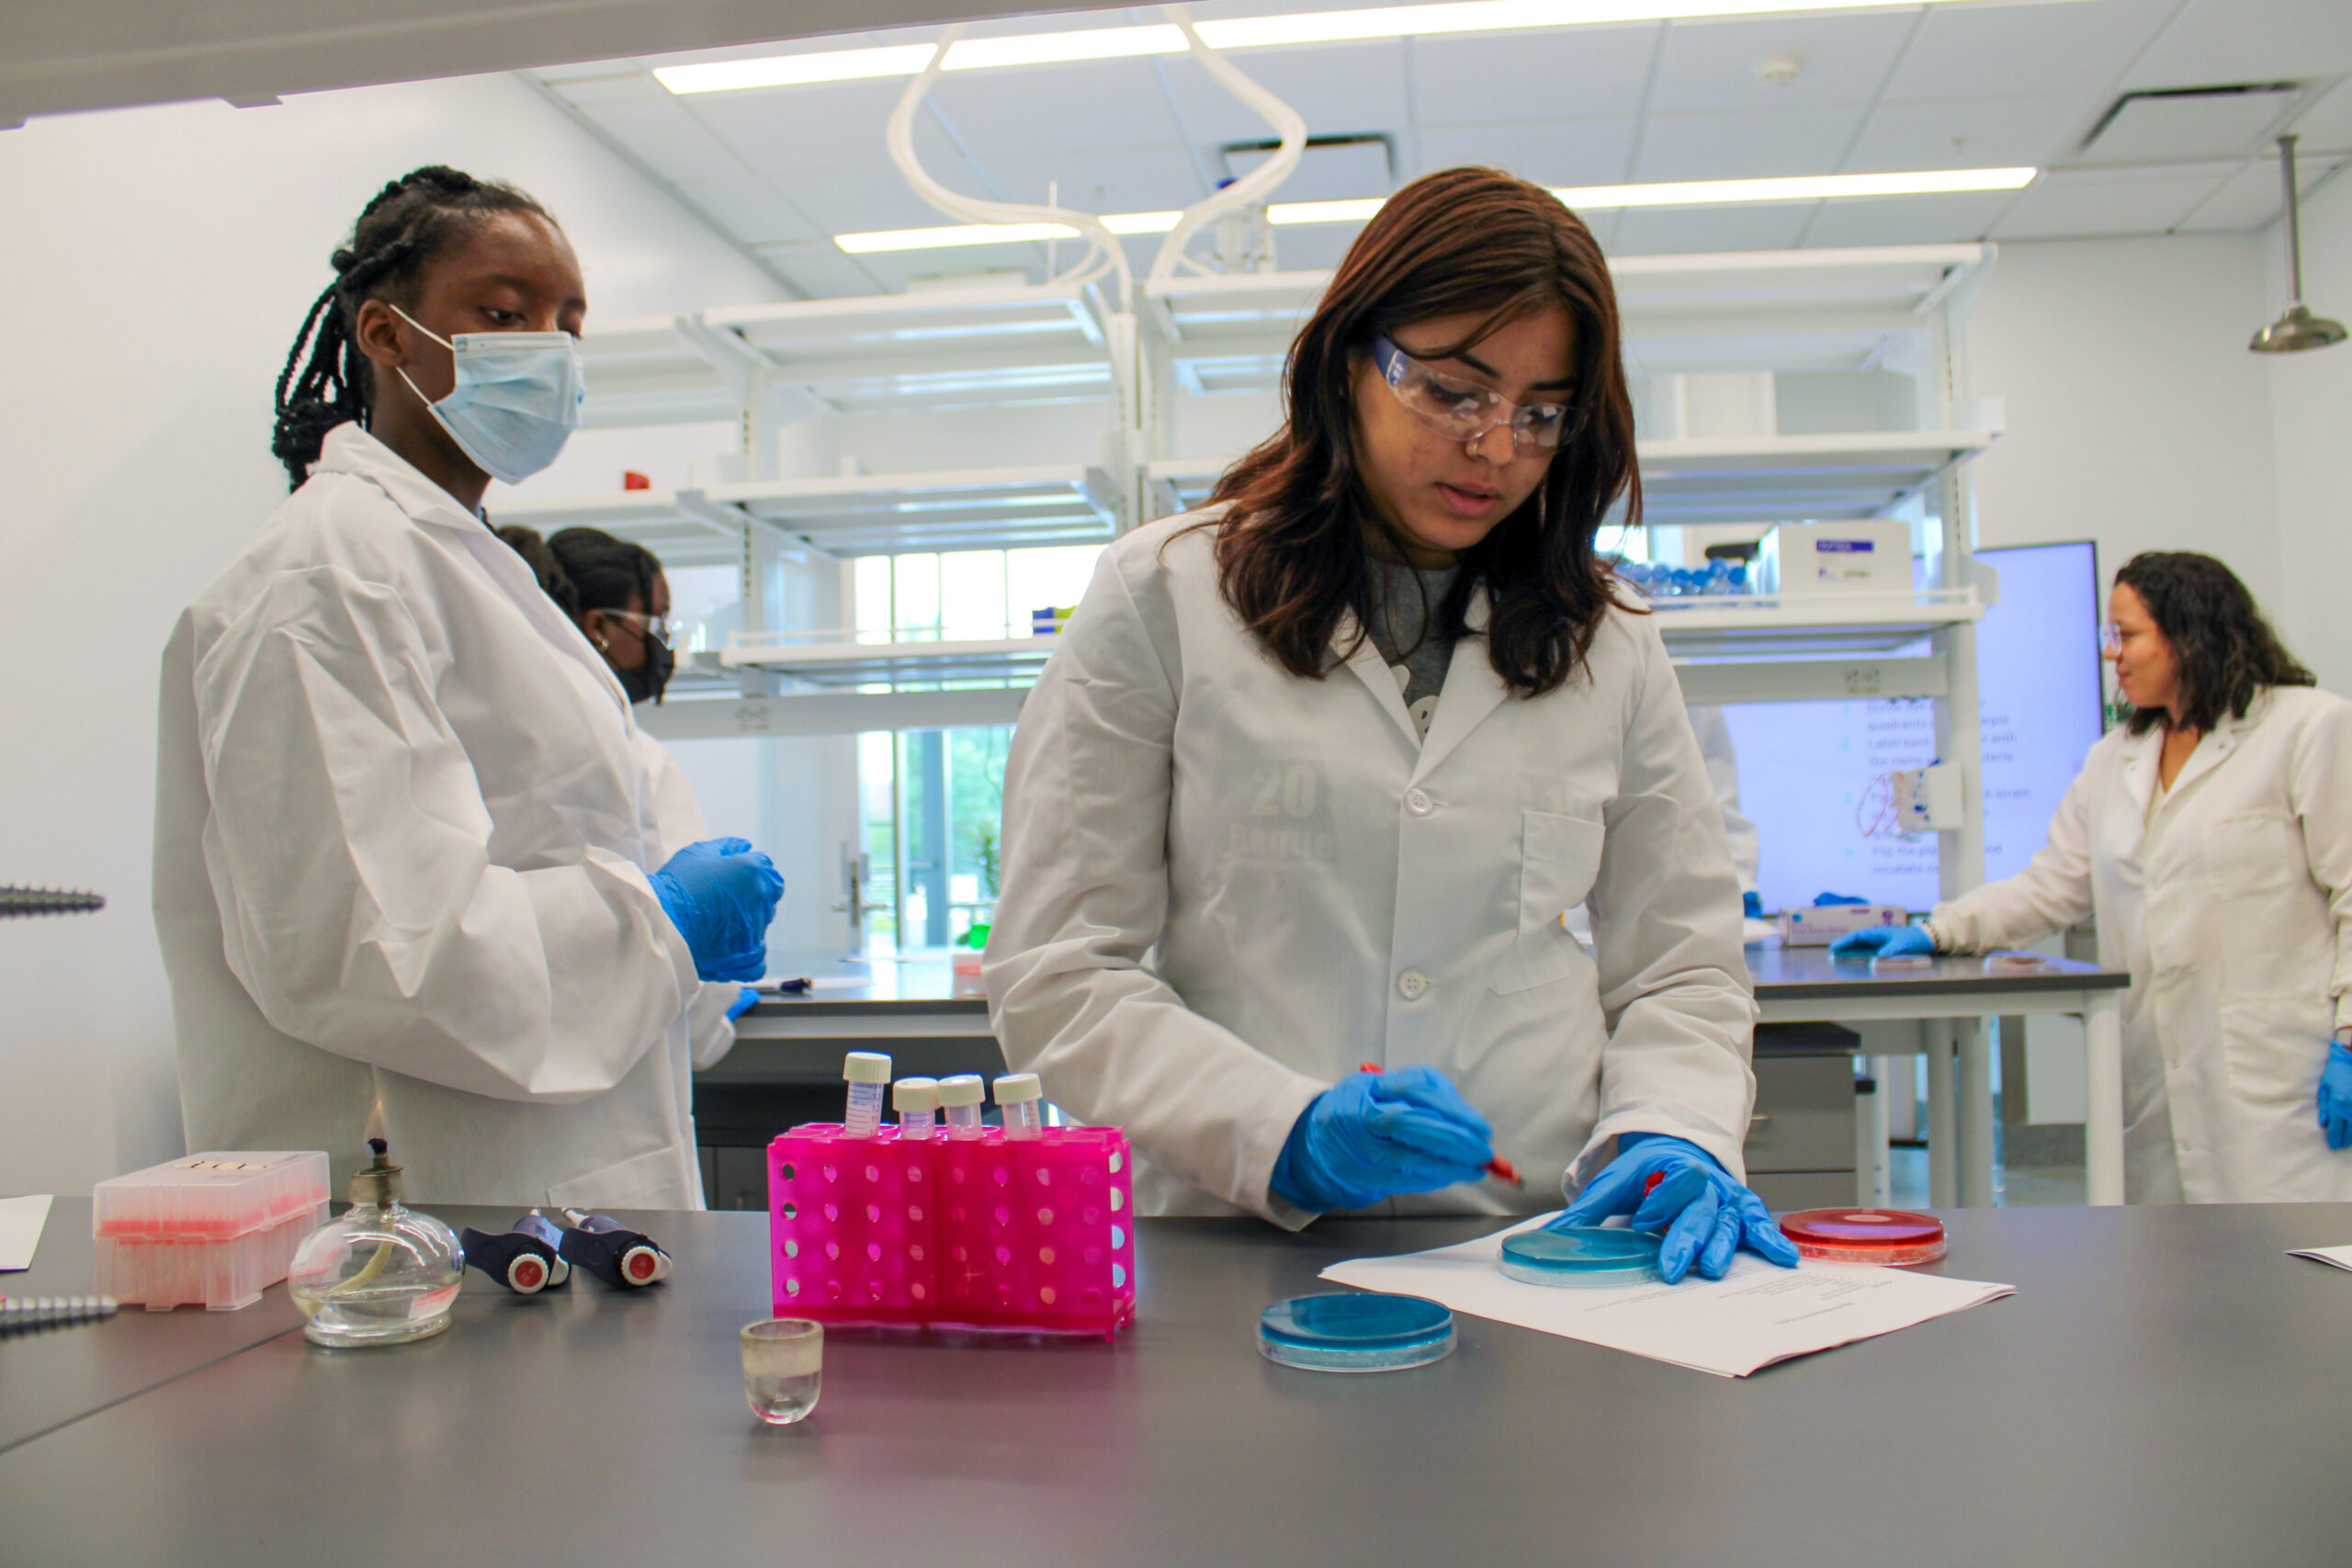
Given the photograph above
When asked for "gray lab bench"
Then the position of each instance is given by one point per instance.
(2165, 1387)
(913, 1007)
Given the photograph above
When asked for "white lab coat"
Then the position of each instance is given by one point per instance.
(1224, 886)
(403, 825)
(1716, 748)
(2233, 910)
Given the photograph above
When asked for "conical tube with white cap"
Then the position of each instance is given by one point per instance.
(1021, 1099)
(960, 1096)
(917, 1103)
(868, 1074)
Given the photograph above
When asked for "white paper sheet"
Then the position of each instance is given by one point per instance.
(1754, 1315)
(2335, 1256)
(20, 1222)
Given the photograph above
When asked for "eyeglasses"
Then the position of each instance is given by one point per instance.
(660, 628)
(1464, 411)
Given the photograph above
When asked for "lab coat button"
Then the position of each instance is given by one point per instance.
(1411, 984)
(1419, 803)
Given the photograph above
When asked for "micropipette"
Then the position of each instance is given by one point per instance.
(1499, 1167)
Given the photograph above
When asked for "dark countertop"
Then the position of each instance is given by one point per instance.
(926, 983)
(2165, 1387)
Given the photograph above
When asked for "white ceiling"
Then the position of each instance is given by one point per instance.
(1906, 87)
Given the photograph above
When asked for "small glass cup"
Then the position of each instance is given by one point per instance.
(784, 1361)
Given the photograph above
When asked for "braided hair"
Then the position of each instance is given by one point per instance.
(410, 221)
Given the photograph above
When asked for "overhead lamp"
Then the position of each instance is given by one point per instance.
(2298, 329)
(1684, 193)
(1370, 24)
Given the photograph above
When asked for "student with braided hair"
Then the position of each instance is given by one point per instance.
(411, 848)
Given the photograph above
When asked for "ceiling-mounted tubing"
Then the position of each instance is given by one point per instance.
(1104, 253)
(1255, 186)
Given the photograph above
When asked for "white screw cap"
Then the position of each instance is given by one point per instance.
(964, 1089)
(866, 1067)
(915, 1094)
(1015, 1087)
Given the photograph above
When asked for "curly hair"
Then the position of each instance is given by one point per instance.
(409, 222)
(2227, 652)
(1291, 545)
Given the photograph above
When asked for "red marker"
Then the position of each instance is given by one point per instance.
(1499, 1167)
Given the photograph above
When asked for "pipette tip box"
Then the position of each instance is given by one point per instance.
(1024, 1236)
(211, 1230)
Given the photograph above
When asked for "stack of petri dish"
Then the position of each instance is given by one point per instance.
(1356, 1332)
(2015, 963)
(1901, 963)
(1592, 1257)
(1888, 1237)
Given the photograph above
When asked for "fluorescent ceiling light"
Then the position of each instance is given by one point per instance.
(1244, 32)
(1687, 193)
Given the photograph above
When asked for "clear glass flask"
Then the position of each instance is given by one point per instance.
(380, 1273)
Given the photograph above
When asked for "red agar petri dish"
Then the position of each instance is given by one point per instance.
(1884, 1236)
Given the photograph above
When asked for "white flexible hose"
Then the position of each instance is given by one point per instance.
(1104, 253)
(1251, 188)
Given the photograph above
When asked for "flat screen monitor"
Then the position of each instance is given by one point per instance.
(1807, 770)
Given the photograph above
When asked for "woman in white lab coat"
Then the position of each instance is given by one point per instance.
(2210, 836)
(410, 846)
(1313, 775)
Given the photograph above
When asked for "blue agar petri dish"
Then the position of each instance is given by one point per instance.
(1585, 1256)
(1356, 1332)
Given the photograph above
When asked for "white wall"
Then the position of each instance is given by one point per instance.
(157, 264)
(2310, 422)
(2136, 417)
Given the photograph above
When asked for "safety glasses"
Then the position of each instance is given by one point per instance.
(657, 626)
(1464, 411)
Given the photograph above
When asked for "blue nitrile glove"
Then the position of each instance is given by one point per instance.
(721, 894)
(1830, 900)
(1375, 1134)
(1706, 1215)
(1882, 941)
(1751, 906)
(2335, 1096)
(745, 1000)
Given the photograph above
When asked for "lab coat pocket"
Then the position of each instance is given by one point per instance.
(2259, 852)
(1559, 857)
(2273, 1048)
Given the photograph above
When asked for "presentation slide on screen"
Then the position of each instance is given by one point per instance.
(1805, 769)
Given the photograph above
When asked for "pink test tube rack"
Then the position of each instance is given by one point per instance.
(1025, 1236)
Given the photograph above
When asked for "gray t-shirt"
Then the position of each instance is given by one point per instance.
(1405, 605)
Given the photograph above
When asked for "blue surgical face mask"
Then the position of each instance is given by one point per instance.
(516, 400)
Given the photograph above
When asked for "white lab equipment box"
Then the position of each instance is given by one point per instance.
(1823, 558)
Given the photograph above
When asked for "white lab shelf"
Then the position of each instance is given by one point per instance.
(947, 348)
(855, 516)
(1769, 478)
(843, 659)
(1803, 626)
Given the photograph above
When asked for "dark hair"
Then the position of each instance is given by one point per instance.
(2227, 652)
(599, 572)
(527, 543)
(1291, 545)
(411, 221)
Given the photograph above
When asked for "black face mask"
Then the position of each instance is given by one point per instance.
(645, 686)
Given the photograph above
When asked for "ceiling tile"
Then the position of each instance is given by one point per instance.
(1754, 144)
(2250, 198)
(612, 86)
(2214, 41)
(821, 272)
(2071, 206)
(1551, 153)
(1577, 73)
(1335, 87)
(857, 201)
(1329, 174)
(1095, 104)
(752, 210)
(663, 136)
(797, 130)
(1711, 66)
(1675, 231)
(1971, 133)
(1985, 51)
(2183, 128)
(1150, 179)
(1908, 219)
(2327, 124)
(1309, 247)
